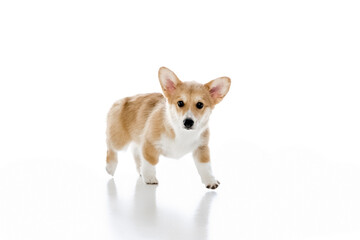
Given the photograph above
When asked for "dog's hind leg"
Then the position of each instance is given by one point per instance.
(117, 137)
(137, 158)
(111, 161)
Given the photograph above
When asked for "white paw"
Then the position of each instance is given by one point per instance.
(149, 179)
(111, 167)
(212, 184)
(148, 173)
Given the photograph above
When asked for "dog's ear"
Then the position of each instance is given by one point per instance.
(218, 88)
(168, 81)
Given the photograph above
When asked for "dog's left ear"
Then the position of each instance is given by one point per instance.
(218, 88)
(168, 81)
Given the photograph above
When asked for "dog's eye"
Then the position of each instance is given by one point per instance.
(181, 103)
(199, 105)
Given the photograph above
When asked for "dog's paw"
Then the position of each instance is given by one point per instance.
(150, 180)
(212, 185)
(111, 167)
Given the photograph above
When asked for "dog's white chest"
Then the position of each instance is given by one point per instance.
(182, 144)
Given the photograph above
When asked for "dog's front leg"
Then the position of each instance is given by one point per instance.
(149, 159)
(202, 161)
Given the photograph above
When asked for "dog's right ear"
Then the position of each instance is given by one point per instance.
(168, 81)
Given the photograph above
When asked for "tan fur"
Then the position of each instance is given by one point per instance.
(193, 93)
(111, 156)
(127, 118)
(203, 154)
(151, 154)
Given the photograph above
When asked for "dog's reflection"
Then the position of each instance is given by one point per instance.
(144, 220)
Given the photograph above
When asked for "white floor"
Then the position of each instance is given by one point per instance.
(284, 142)
(292, 193)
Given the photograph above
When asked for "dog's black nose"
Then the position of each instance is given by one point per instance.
(188, 123)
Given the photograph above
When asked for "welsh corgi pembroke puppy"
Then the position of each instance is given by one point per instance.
(171, 125)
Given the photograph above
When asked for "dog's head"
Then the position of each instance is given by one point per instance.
(190, 103)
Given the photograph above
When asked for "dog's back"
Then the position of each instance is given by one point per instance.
(127, 118)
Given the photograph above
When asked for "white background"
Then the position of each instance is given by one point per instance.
(284, 142)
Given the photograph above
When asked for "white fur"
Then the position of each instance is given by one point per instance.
(185, 141)
(205, 172)
(148, 172)
(176, 120)
(189, 114)
(173, 117)
(111, 167)
(202, 122)
(137, 156)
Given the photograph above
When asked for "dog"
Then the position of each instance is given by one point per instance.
(171, 124)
